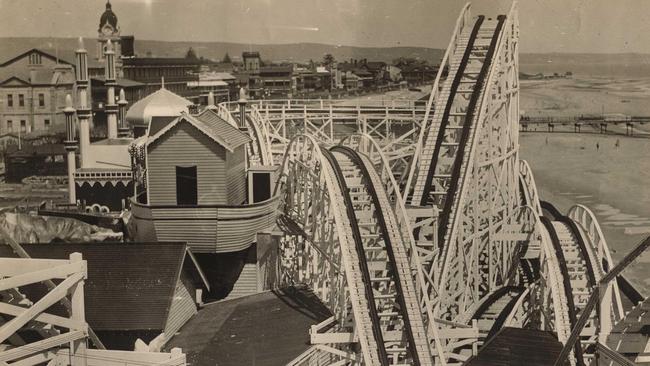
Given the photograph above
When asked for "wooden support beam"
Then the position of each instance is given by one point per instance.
(62, 270)
(48, 300)
(36, 347)
(45, 318)
(78, 314)
(37, 359)
(17, 266)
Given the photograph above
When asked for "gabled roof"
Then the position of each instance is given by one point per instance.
(60, 75)
(129, 286)
(17, 80)
(213, 126)
(42, 53)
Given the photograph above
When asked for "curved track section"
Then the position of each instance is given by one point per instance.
(493, 312)
(363, 242)
(319, 248)
(382, 247)
(259, 151)
(581, 273)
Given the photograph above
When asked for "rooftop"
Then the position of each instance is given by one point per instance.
(159, 103)
(129, 286)
(269, 328)
(211, 125)
(514, 346)
(60, 75)
(159, 61)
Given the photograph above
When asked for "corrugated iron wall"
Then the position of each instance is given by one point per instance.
(247, 282)
(186, 146)
(209, 229)
(236, 177)
(182, 308)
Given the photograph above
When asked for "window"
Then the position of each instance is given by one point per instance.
(41, 100)
(21, 100)
(35, 59)
(186, 187)
(10, 126)
(261, 187)
(46, 123)
(23, 126)
(10, 100)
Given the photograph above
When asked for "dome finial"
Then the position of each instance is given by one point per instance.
(108, 4)
(68, 104)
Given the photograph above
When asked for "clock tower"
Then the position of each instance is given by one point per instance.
(109, 30)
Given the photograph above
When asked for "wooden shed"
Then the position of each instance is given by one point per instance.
(196, 160)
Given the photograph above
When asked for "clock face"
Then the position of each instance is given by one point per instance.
(107, 30)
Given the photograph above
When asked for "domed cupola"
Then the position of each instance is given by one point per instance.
(108, 20)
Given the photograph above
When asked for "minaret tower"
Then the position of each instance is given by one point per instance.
(70, 147)
(242, 109)
(111, 107)
(83, 111)
(123, 129)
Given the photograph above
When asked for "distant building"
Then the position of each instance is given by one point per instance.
(33, 160)
(418, 73)
(33, 86)
(394, 73)
(109, 30)
(175, 73)
(277, 80)
(222, 84)
(252, 61)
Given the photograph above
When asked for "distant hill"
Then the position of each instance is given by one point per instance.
(298, 52)
(593, 64)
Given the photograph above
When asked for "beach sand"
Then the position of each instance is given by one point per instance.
(613, 183)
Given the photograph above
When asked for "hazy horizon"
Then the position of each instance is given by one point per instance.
(551, 26)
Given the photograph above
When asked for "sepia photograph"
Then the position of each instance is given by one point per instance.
(324, 183)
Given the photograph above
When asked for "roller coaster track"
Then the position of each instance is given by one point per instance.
(387, 315)
(496, 255)
(396, 295)
(494, 311)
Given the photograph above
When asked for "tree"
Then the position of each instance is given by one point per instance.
(226, 59)
(328, 60)
(191, 55)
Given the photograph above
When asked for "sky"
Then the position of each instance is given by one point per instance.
(609, 26)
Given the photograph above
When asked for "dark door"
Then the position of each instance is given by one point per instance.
(186, 185)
